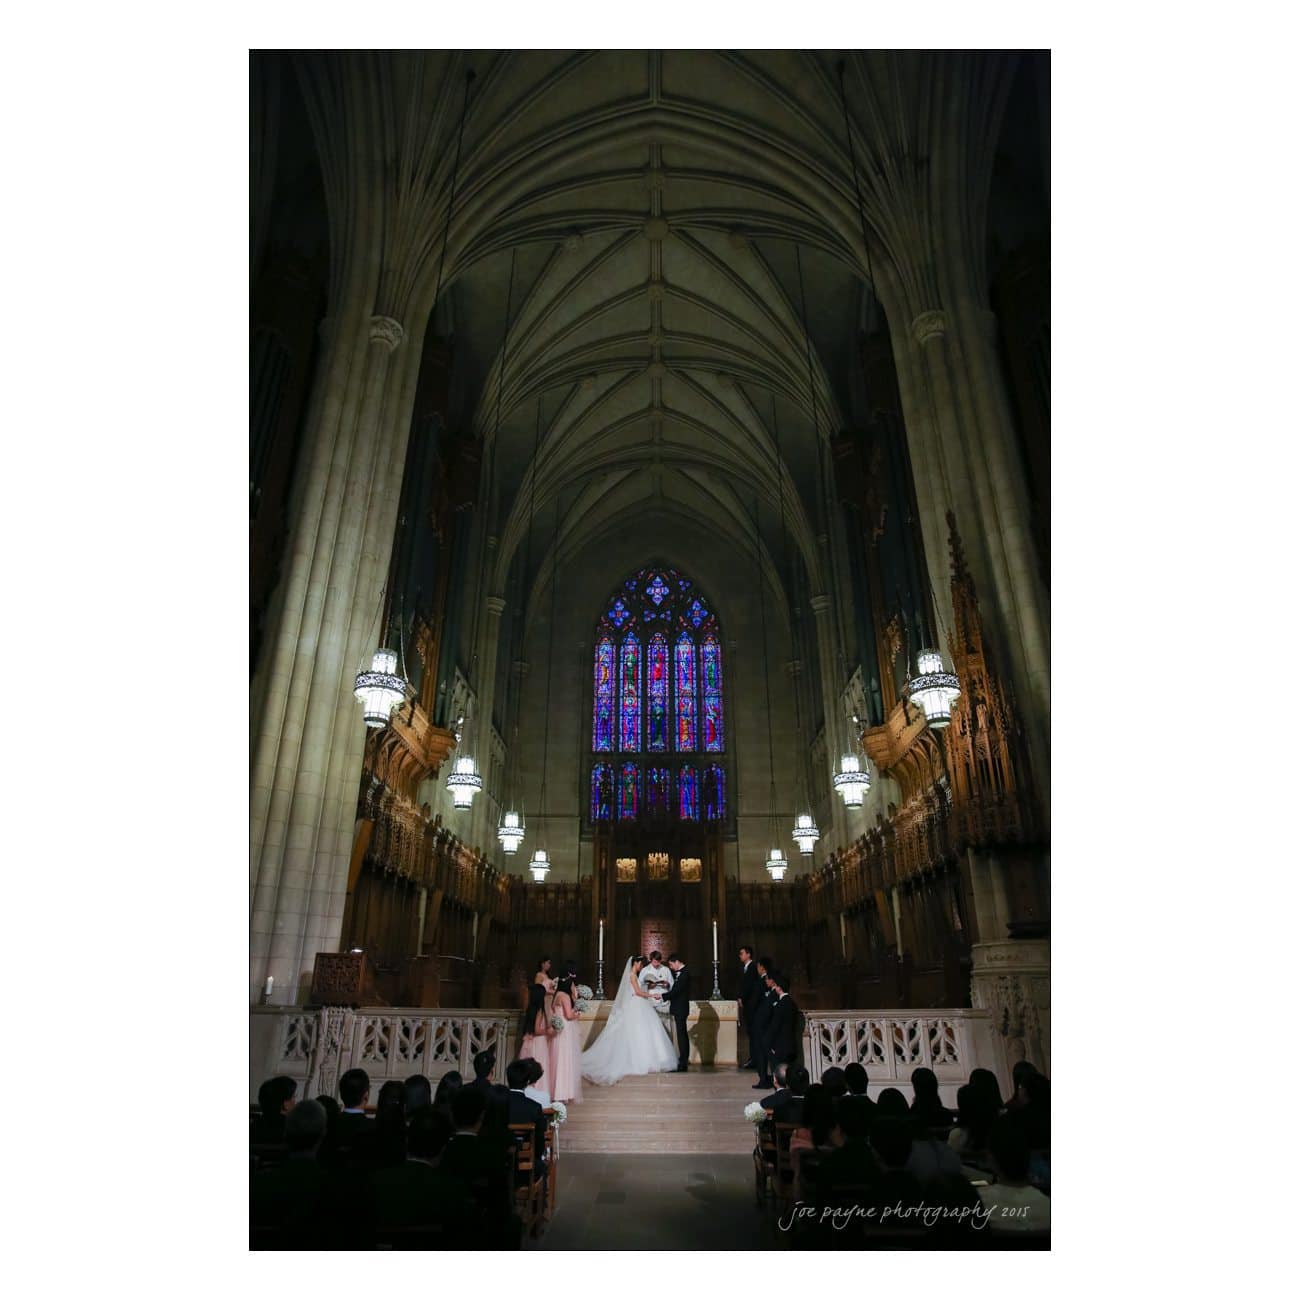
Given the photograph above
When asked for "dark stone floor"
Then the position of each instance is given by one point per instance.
(657, 1202)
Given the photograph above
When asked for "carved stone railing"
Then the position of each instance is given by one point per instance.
(317, 1047)
(891, 1044)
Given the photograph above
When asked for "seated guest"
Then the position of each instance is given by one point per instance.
(447, 1086)
(419, 1092)
(781, 1076)
(1033, 1109)
(855, 1078)
(534, 1090)
(476, 1162)
(351, 1140)
(522, 1108)
(1015, 1206)
(331, 1108)
(415, 1192)
(987, 1082)
(1019, 1072)
(891, 1104)
(788, 1108)
(975, 1117)
(812, 1135)
(390, 1124)
(851, 1164)
(295, 1199)
(891, 1140)
(275, 1101)
(927, 1109)
(834, 1083)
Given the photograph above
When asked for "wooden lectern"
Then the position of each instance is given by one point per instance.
(343, 979)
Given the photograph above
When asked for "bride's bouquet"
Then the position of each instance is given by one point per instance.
(561, 1112)
(557, 1023)
(755, 1113)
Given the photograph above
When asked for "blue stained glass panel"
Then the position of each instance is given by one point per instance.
(688, 795)
(685, 681)
(711, 654)
(715, 794)
(602, 791)
(629, 789)
(658, 589)
(657, 693)
(658, 788)
(697, 611)
(602, 707)
(619, 613)
(629, 709)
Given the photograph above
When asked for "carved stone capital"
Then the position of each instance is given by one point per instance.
(387, 332)
(929, 325)
(820, 605)
(496, 606)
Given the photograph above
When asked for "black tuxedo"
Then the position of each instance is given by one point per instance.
(751, 990)
(524, 1110)
(679, 1005)
(781, 1045)
(758, 1025)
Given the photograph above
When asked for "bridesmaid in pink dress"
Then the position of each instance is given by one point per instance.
(566, 1050)
(538, 1034)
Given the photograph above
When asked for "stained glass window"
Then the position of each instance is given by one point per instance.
(657, 673)
(629, 788)
(711, 654)
(629, 709)
(715, 793)
(688, 799)
(658, 788)
(602, 709)
(602, 790)
(685, 661)
(656, 691)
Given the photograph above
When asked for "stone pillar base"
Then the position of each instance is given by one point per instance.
(1012, 980)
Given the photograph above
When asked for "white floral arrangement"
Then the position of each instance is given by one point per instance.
(662, 1006)
(584, 992)
(581, 1005)
(755, 1113)
(582, 1000)
(561, 1112)
(557, 1023)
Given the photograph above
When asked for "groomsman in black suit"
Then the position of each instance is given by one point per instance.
(679, 1005)
(761, 1022)
(782, 1045)
(750, 993)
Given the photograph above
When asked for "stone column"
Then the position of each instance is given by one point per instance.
(485, 688)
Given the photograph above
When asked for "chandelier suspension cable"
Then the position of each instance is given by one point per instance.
(776, 862)
(511, 830)
(540, 864)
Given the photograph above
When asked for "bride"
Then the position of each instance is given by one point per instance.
(634, 1040)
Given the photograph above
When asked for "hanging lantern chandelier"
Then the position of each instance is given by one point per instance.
(464, 781)
(539, 866)
(852, 781)
(380, 688)
(776, 864)
(933, 689)
(806, 833)
(510, 832)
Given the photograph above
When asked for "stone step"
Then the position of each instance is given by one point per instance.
(702, 1111)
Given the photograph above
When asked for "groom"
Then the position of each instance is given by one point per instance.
(679, 1006)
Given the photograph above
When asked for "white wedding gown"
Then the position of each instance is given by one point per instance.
(634, 1040)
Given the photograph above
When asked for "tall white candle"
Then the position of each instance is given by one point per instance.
(270, 984)
(600, 953)
(715, 938)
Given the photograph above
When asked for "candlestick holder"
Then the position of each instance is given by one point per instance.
(600, 978)
(716, 995)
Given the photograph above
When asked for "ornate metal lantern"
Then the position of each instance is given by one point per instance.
(806, 833)
(540, 865)
(380, 689)
(510, 832)
(852, 781)
(776, 864)
(933, 689)
(464, 782)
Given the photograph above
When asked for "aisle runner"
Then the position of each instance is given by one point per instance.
(664, 1114)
